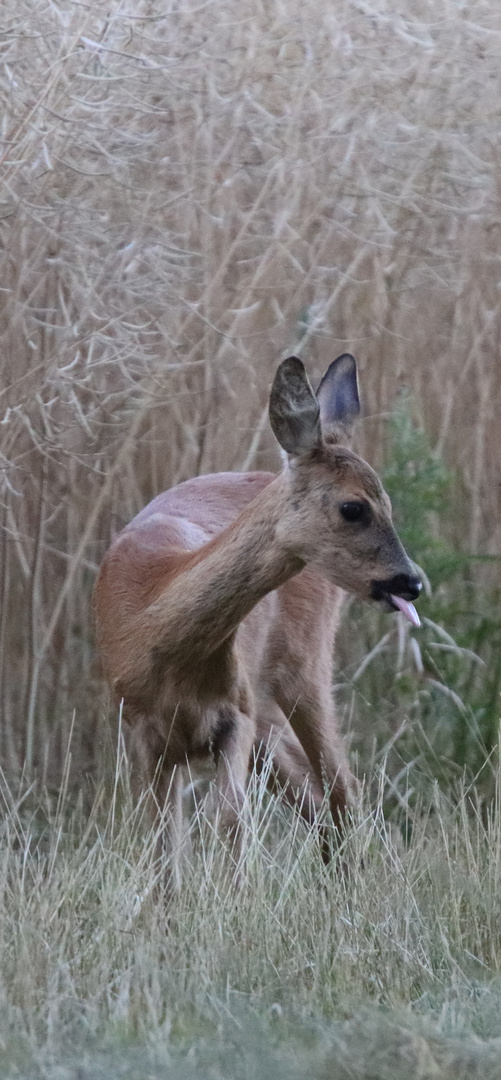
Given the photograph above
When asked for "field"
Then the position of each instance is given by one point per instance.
(188, 193)
(387, 968)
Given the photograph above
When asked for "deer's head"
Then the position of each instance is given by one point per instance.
(338, 515)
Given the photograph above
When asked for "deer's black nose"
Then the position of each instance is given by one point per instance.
(408, 586)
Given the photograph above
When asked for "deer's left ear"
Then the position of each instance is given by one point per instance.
(338, 399)
(294, 409)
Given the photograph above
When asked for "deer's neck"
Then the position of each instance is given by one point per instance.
(215, 587)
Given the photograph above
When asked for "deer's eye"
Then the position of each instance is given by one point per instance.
(355, 511)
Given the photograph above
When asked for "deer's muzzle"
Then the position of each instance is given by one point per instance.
(396, 592)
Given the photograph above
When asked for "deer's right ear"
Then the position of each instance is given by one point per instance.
(338, 398)
(294, 409)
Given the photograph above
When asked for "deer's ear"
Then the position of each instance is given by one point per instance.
(294, 409)
(338, 398)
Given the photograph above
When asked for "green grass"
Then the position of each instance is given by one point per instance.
(386, 964)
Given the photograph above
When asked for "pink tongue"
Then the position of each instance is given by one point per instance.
(407, 609)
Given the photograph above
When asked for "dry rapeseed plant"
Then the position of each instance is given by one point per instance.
(187, 191)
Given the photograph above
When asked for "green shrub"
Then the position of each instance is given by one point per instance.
(427, 699)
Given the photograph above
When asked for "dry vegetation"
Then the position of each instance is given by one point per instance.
(389, 971)
(187, 191)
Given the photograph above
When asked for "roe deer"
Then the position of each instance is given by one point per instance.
(217, 607)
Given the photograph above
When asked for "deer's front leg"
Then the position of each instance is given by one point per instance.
(292, 775)
(278, 752)
(314, 723)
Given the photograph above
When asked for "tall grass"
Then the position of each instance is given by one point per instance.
(385, 964)
(188, 191)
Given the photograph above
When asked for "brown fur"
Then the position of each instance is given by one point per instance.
(217, 610)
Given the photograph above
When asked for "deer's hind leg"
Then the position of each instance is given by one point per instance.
(163, 782)
(232, 742)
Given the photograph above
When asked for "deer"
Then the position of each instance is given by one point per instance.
(217, 610)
